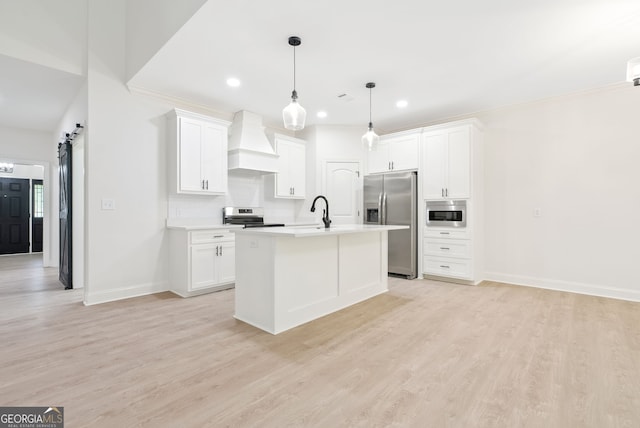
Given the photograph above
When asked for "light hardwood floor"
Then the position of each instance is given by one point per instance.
(426, 354)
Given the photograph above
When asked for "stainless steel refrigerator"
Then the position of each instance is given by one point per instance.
(392, 198)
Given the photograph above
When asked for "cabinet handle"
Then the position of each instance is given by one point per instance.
(444, 266)
(444, 248)
(218, 236)
(207, 184)
(444, 233)
(446, 192)
(220, 249)
(217, 248)
(442, 192)
(293, 190)
(202, 185)
(389, 166)
(393, 165)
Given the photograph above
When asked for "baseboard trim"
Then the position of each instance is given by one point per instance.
(94, 298)
(567, 286)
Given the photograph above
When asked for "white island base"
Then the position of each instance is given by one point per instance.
(289, 276)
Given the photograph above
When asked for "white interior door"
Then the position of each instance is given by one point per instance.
(343, 188)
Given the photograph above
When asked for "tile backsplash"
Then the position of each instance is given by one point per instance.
(243, 190)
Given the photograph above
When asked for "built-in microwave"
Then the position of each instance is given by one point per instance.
(446, 214)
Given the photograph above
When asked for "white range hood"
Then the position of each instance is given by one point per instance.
(249, 148)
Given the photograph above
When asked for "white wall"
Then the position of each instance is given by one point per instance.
(125, 155)
(576, 158)
(150, 24)
(326, 143)
(50, 33)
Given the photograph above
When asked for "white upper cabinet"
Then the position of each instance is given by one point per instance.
(290, 180)
(395, 152)
(198, 154)
(447, 163)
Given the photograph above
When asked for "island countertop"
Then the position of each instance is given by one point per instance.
(309, 231)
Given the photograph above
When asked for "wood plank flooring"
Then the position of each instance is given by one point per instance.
(426, 354)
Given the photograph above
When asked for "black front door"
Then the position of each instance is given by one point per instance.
(14, 215)
(37, 215)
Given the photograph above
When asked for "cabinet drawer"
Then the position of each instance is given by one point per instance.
(458, 268)
(447, 248)
(445, 232)
(209, 236)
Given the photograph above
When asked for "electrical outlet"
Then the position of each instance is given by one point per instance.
(108, 204)
(537, 212)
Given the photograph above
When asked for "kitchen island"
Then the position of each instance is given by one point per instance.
(287, 276)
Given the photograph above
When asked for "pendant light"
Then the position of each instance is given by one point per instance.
(370, 139)
(294, 114)
(633, 71)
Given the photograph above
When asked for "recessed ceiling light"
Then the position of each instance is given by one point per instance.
(233, 82)
(402, 104)
(321, 114)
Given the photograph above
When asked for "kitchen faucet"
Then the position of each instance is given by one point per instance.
(325, 213)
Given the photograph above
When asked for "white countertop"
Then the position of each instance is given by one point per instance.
(308, 231)
(198, 224)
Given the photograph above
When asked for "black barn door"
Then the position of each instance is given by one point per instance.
(14, 215)
(64, 154)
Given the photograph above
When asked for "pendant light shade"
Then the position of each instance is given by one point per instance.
(370, 139)
(294, 115)
(633, 71)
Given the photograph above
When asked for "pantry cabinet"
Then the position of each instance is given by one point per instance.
(201, 261)
(290, 180)
(395, 152)
(198, 154)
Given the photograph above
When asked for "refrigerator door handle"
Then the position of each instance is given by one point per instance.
(380, 208)
(384, 208)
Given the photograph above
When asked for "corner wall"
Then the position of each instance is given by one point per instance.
(125, 152)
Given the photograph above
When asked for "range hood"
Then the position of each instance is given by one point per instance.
(249, 148)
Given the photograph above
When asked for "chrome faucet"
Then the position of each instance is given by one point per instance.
(325, 213)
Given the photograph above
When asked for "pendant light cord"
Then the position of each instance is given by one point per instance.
(294, 68)
(370, 123)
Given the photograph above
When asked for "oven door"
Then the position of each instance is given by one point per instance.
(446, 214)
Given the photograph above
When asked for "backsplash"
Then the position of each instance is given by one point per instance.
(243, 190)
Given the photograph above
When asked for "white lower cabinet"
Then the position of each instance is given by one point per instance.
(448, 267)
(448, 253)
(201, 261)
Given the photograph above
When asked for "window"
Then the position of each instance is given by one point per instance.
(38, 200)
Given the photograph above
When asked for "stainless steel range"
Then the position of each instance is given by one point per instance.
(247, 216)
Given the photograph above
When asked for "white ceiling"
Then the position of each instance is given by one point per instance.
(34, 96)
(445, 58)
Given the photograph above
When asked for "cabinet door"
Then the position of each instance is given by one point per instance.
(458, 164)
(190, 175)
(214, 159)
(434, 152)
(404, 152)
(203, 270)
(297, 161)
(378, 160)
(290, 179)
(226, 262)
(283, 178)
